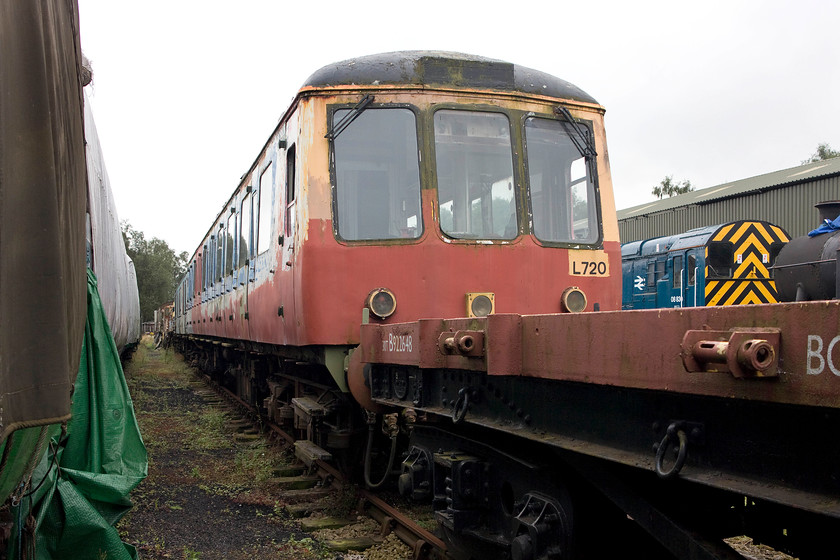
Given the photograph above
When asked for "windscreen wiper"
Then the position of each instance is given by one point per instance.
(349, 117)
(581, 140)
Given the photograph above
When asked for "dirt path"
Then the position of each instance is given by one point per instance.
(206, 496)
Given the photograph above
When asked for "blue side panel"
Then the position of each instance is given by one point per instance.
(701, 277)
(636, 293)
(627, 284)
(663, 292)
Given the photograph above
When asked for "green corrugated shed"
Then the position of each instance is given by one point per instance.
(785, 198)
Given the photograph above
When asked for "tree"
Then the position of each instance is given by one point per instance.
(823, 152)
(670, 187)
(158, 269)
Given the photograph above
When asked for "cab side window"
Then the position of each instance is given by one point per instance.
(719, 259)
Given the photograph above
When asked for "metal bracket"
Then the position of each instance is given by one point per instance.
(745, 353)
(465, 343)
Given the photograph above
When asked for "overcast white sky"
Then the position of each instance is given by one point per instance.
(186, 92)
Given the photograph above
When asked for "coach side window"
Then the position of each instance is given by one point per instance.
(220, 254)
(230, 243)
(245, 231)
(205, 269)
(290, 187)
(264, 205)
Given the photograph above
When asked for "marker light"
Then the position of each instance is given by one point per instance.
(480, 304)
(381, 303)
(573, 300)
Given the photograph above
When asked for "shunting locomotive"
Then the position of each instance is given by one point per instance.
(728, 264)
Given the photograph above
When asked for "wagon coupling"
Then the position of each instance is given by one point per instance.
(465, 343)
(741, 352)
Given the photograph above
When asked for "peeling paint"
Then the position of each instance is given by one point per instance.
(310, 290)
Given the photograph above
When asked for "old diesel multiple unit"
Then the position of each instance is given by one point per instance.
(408, 185)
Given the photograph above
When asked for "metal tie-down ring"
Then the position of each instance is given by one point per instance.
(672, 432)
(462, 403)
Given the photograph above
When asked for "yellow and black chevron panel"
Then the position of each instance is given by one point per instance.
(740, 292)
(739, 257)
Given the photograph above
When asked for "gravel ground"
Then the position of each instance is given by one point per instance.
(206, 497)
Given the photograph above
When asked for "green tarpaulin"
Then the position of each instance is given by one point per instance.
(87, 475)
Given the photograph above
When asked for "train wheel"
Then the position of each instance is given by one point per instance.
(543, 528)
(488, 502)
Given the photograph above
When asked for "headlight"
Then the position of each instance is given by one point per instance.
(381, 303)
(480, 304)
(573, 300)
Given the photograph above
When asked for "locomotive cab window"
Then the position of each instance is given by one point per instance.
(676, 281)
(562, 191)
(650, 282)
(377, 176)
(660, 270)
(719, 259)
(692, 269)
(475, 175)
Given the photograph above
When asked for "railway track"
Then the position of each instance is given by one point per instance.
(423, 544)
(389, 519)
(183, 463)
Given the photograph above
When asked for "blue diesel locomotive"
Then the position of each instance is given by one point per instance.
(729, 264)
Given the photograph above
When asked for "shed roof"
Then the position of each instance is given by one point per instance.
(759, 183)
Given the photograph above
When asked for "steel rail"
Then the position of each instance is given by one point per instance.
(423, 544)
(327, 472)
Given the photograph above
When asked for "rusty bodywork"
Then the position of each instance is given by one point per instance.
(302, 286)
(743, 397)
